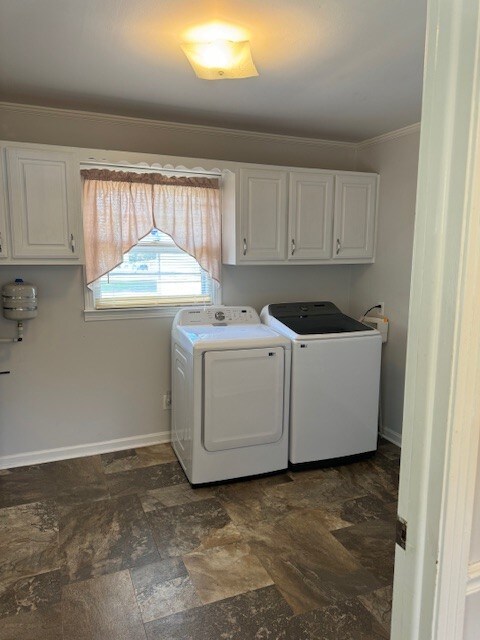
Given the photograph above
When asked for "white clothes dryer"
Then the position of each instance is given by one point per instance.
(230, 394)
(335, 381)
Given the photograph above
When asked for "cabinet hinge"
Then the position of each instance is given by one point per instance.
(401, 532)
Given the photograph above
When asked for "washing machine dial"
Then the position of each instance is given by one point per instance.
(219, 315)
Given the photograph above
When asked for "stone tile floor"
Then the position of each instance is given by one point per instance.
(120, 547)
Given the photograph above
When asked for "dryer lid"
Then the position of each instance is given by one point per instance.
(232, 336)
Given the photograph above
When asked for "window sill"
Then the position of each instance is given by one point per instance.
(129, 314)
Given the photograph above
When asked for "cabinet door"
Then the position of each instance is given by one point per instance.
(263, 215)
(354, 218)
(310, 216)
(44, 203)
(3, 208)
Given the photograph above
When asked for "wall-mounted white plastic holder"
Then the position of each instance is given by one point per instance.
(381, 324)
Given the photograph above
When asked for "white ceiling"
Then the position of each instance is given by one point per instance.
(338, 69)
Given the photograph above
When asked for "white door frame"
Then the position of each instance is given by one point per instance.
(442, 392)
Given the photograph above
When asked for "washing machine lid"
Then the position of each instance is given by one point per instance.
(315, 319)
(338, 323)
(233, 336)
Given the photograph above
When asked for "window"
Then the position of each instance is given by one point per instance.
(156, 277)
(154, 273)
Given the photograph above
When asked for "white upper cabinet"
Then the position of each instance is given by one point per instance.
(354, 218)
(263, 215)
(44, 205)
(324, 217)
(3, 212)
(310, 216)
(270, 214)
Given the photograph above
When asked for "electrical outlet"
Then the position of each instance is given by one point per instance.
(381, 310)
(167, 401)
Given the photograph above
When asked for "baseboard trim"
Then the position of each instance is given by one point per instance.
(391, 436)
(473, 583)
(81, 450)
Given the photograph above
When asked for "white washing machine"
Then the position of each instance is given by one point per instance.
(230, 394)
(335, 381)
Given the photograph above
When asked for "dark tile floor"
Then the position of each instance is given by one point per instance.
(120, 547)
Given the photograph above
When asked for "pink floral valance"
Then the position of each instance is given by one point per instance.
(120, 208)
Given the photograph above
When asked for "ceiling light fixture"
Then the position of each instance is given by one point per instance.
(220, 59)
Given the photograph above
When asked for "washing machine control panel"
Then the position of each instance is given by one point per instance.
(218, 316)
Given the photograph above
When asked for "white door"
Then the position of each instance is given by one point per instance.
(310, 216)
(354, 217)
(243, 397)
(263, 215)
(44, 203)
(441, 424)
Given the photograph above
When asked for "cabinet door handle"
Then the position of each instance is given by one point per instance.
(1, 243)
(339, 246)
(72, 243)
(244, 246)
(293, 246)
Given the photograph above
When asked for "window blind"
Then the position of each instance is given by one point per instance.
(154, 273)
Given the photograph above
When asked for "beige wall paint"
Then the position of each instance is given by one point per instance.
(96, 131)
(75, 382)
(388, 279)
(472, 617)
(475, 544)
(472, 608)
(105, 379)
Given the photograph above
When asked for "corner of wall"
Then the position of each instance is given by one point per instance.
(356, 156)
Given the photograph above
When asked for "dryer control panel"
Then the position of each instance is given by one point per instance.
(217, 316)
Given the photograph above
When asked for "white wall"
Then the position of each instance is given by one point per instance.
(471, 629)
(388, 279)
(75, 382)
(22, 123)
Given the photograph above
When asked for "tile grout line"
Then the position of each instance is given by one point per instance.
(136, 602)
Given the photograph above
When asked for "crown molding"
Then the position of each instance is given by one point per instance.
(391, 135)
(196, 129)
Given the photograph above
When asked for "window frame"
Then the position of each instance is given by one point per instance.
(90, 313)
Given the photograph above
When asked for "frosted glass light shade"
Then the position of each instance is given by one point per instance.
(220, 59)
